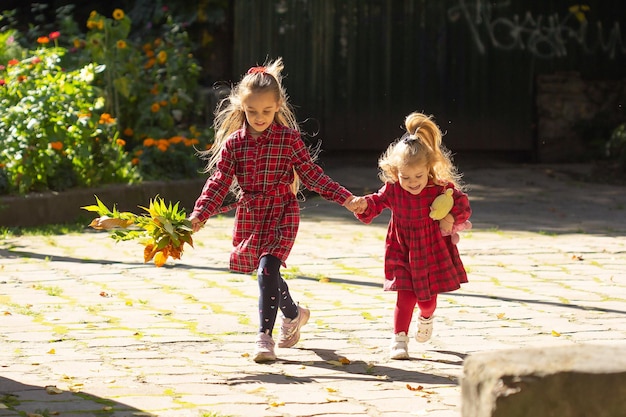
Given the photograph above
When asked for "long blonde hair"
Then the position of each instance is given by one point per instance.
(422, 144)
(230, 117)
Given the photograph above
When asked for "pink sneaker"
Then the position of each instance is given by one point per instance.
(264, 350)
(424, 329)
(290, 328)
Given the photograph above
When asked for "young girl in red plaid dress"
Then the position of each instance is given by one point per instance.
(420, 259)
(258, 153)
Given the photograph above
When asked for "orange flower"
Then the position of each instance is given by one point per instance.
(158, 42)
(162, 57)
(100, 24)
(106, 119)
(150, 63)
(118, 14)
(84, 115)
(135, 161)
(163, 146)
(121, 44)
(43, 40)
(128, 131)
(139, 152)
(91, 24)
(163, 103)
(57, 146)
(77, 43)
(155, 107)
(176, 139)
(154, 90)
(13, 62)
(148, 142)
(120, 142)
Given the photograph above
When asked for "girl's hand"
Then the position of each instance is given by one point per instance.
(446, 224)
(357, 205)
(196, 224)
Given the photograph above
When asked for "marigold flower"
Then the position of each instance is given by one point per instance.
(146, 47)
(21, 78)
(43, 40)
(128, 131)
(120, 142)
(155, 107)
(150, 63)
(91, 24)
(77, 43)
(84, 115)
(54, 35)
(150, 54)
(13, 62)
(162, 57)
(154, 90)
(121, 44)
(57, 146)
(148, 142)
(139, 152)
(100, 24)
(106, 119)
(208, 146)
(158, 42)
(134, 161)
(163, 103)
(93, 14)
(174, 99)
(176, 139)
(118, 14)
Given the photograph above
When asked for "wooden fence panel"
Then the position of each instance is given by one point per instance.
(355, 68)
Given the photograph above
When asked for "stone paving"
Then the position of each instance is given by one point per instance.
(88, 329)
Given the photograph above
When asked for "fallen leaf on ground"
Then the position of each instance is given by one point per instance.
(51, 352)
(555, 333)
(344, 360)
(277, 403)
(330, 389)
(52, 390)
(418, 388)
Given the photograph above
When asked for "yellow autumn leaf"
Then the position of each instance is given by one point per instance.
(501, 315)
(51, 352)
(335, 399)
(344, 360)
(277, 403)
(324, 280)
(411, 388)
(52, 390)
(555, 333)
(330, 389)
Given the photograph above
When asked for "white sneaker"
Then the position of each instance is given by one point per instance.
(290, 328)
(424, 329)
(264, 350)
(399, 348)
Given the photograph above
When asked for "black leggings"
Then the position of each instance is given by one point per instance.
(274, 293)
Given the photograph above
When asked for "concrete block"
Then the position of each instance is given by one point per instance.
(564, 381)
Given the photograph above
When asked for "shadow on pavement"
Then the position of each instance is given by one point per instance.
(26, 399)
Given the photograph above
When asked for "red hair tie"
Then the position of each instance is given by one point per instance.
(257, 70)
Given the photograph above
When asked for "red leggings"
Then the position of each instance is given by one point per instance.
(405, 305)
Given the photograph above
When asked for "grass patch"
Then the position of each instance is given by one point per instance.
(47, 230)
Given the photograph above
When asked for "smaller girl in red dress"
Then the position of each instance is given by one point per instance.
(421, 260)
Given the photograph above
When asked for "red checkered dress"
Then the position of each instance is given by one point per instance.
(268, 214)
(417, 257)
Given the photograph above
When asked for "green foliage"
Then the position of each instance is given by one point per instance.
(52, 134)
(86, 109)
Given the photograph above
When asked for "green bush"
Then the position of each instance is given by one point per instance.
(52, 131)
(82, 109)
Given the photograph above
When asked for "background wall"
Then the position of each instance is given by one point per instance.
(357, 67)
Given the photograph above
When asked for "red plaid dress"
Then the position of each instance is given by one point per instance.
(268, 214)
(417, 257)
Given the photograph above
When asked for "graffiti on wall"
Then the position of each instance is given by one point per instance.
(544, 36)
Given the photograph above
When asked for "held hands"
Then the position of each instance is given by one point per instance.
(357, 205)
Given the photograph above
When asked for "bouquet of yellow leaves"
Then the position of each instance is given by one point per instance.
(163, 230)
